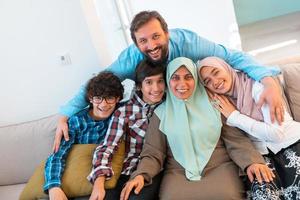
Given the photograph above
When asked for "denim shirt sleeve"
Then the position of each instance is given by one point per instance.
(189, 44)
(55, 163)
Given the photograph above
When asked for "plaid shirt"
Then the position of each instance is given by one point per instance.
(83, 129)
(128, 122)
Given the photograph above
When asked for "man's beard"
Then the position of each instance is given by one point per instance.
(164, 57)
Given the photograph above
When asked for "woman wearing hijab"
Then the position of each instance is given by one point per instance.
(184, 138)
(237, 96)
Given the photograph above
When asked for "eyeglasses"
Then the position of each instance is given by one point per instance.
(109, 100)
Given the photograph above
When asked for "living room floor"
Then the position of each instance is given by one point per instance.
(272, 39)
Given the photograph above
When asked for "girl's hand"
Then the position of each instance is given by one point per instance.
(222, 103)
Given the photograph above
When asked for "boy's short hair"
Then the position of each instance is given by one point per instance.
(145, 69)
(105, 84)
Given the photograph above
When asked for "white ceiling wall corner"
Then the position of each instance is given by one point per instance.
(97, 31)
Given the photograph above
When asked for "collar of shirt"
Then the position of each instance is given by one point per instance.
(137, 99)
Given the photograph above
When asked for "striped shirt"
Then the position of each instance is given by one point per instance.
(129, 122)
(83, 129)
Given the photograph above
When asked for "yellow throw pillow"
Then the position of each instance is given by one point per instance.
(78, 167)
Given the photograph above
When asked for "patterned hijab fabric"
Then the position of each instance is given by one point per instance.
(192, 126)
(240, 93)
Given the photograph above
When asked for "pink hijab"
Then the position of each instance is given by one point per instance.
(240, 93)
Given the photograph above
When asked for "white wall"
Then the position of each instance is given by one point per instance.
(33, 35)
(210, 19)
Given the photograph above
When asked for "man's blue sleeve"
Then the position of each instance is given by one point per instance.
(127, 61)
(76, 104)
(243, 62)
(195, 47)
(123, 67)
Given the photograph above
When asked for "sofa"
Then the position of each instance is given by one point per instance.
(23, 146)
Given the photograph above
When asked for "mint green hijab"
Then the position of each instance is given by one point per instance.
(192, 126)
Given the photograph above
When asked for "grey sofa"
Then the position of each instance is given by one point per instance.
(22, 147)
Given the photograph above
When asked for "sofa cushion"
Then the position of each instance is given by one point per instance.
(11, 192)
(23, 146)
(74, 181)
(291, 75)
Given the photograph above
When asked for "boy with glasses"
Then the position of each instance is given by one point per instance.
(86, 127)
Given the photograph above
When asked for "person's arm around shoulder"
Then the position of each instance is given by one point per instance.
(76, 104)
(272, 96)
(123, 67)
(198, 48)
(257, 92)
(62, 129)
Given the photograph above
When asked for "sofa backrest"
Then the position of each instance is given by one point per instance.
(291, 76)
(23, 146)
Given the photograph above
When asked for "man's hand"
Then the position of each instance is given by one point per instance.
(56, 193)
(61, 130)
(272, 96)
(261, 171)
(98, 192)
(137, 183)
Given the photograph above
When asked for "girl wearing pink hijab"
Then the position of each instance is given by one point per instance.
(236, 95)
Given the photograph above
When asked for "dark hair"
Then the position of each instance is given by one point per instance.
(145, 69)
(144, 17)
(105, 84)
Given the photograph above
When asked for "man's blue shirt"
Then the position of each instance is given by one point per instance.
(181, 43)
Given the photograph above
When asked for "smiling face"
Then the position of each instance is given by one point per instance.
(103, 107)
(153, 88)
(216, 79)
(153, 41)
(182, 83)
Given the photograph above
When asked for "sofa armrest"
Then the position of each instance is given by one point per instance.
(23, 146)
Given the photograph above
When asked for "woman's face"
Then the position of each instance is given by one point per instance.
(182, 83)
(216, 79)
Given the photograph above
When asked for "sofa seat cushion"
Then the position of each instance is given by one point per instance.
(11, 192)
(78, 167)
